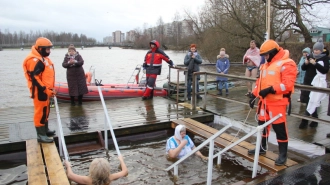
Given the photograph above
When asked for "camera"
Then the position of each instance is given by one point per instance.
(309, 56)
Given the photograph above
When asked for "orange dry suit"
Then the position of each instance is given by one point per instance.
(280, 73)
(40, 74)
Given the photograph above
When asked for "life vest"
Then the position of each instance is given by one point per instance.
(45, 78)
(270, 74)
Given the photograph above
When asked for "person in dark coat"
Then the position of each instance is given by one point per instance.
(75, 75)
(192, 60)
(310, 66)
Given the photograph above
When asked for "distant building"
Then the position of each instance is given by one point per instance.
(316, 33)
(130, 36)
(117, 36)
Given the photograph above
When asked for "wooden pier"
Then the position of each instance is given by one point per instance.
(44, 164)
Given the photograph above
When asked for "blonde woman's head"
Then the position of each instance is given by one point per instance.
(99, 171)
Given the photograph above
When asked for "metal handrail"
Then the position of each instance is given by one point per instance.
(61, 141)
(109, 124)
(175, 165)
(303, 87)
(258, 130)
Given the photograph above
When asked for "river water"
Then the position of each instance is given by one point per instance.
(145, 159)
(114, 65)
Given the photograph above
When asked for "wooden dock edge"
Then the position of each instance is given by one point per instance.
(43, 161)
(224, 139)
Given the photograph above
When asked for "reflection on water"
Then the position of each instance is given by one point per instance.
(78, 120)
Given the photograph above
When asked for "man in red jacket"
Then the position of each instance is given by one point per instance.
(153, 66)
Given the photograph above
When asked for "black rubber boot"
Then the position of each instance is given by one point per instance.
(41, 135)
(151, 94)
(72, 101)
(263, 147)
(220, 92)
(282, 157)
(49, 132)
(80, 99)
(227, 92)
(313, 124)
(303, 124)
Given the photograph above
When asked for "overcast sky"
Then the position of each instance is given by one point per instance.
(94, 18)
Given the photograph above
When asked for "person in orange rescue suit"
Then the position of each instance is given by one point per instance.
(152, 66)
(40, 74)
(274, 88)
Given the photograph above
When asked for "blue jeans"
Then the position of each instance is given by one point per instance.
(223, 83)
(189, 89)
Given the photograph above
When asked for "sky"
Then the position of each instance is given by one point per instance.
(94, 18)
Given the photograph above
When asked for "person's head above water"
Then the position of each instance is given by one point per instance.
(99, 171)
(180, 132)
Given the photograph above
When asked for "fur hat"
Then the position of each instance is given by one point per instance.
(319, 45)
(71, 47)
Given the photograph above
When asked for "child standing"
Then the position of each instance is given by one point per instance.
(301, 73)
(222, 67)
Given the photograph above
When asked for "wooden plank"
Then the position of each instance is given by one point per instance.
(35, 165)
(243, 144)
(56, 172)
(263, 161)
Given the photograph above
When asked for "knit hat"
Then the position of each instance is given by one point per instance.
(71, 47)
(307, 50)
(318, 45)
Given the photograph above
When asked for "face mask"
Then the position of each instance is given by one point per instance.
(43, 52)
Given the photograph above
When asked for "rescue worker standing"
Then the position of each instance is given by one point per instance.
(152, 67)
(274, 88)
(40, 74)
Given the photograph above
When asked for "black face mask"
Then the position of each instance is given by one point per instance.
(43, 52)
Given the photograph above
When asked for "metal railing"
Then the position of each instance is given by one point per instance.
(107, 123)
(297, 86)
(209, 140)
(61, 141)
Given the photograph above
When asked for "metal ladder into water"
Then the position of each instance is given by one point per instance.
(134, 78)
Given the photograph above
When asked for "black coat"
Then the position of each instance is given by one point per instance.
(75, 75)
(311, 73)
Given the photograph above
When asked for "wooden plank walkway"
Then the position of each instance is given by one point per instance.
(16, 125)
(202, 130)
(37, 175)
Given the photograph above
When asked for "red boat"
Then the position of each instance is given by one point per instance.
(109, 91)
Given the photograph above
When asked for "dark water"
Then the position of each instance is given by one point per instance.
(146, 163)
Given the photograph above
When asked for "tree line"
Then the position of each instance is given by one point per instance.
(21, 37)
(232, 24)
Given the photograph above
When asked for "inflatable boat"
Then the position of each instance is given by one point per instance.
(109, 91)
(133, 88)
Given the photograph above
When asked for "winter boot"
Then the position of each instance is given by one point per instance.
(72, 101)
(263, 147)
(313, 124)
(41, 135)
(282, 156)
(220, 92)
(227, 92)
(49, 132)
(303, 124)
(80, 99)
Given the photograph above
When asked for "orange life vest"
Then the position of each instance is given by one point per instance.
(46, 78)
(270, 74)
